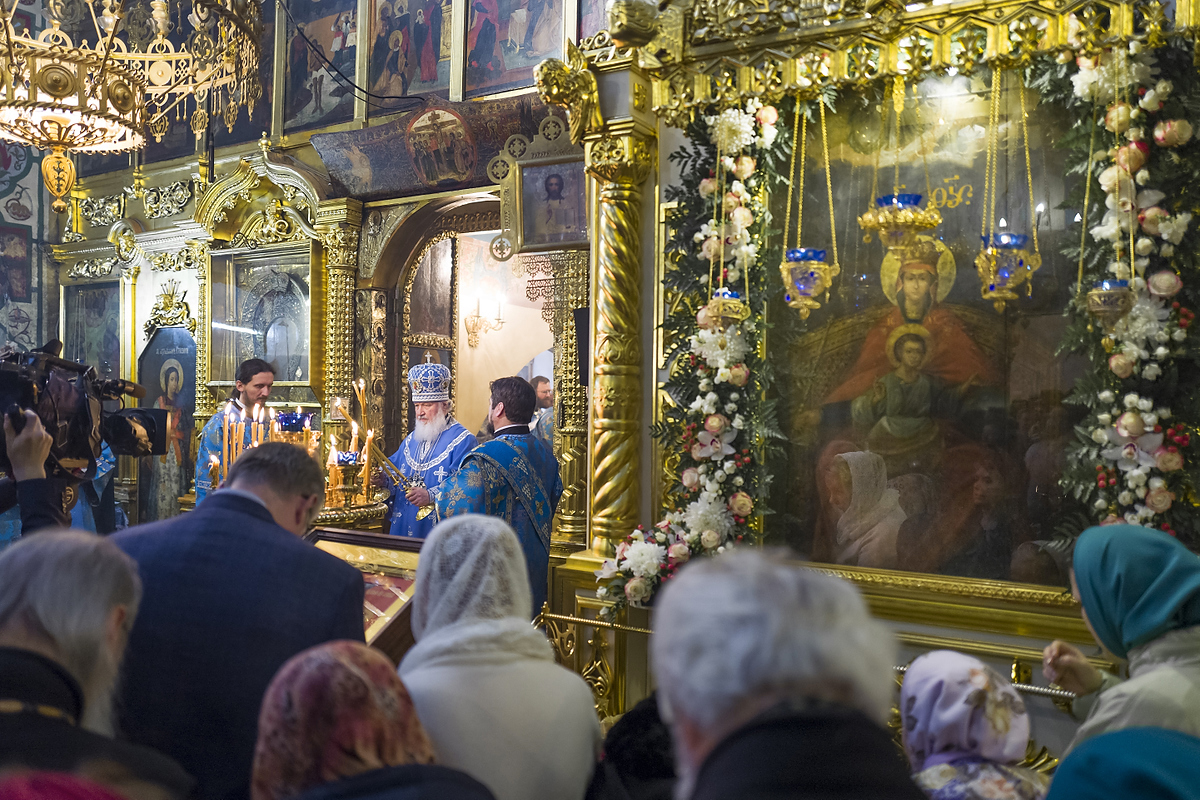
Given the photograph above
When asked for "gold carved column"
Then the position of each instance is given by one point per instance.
(206, 403)
(620, 163)
(570, 293)
(339, 222)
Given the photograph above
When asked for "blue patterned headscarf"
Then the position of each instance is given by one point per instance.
(1135, 584)
(1132, 764)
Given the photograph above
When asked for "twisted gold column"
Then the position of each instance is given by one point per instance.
(621, 164)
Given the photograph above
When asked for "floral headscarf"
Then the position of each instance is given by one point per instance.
(334, 711)
(953, 706)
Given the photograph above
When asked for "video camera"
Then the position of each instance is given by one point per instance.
(68, 398)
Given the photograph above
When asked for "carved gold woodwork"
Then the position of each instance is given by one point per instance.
(620, 165)
(572, 85)
(170, 310)
(570, 288)
(100, 212)
(92, 268)
(166, 201)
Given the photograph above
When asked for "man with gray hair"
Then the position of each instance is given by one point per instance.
(775, 682)
(67, 602)
(232, 592)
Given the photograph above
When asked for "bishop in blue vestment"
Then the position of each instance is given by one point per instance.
(514, 476)
(429, 454)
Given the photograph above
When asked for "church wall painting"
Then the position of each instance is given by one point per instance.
(410, 50)
(314, 95)
(16, 263)
(960, 407)
(92, 325)
(592, 19)
(167, 368)
(431, 301)
(506, 39)
(441, 147)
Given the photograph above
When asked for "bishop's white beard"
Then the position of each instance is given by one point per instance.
(428, 432)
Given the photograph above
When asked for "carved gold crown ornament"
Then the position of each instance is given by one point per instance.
(806, 275)
(1005, 262)
(898, 218)
(63, 95)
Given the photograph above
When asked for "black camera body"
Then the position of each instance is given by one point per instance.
(69, 399)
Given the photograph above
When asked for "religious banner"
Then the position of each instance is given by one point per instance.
(167, 368)
(443, 146)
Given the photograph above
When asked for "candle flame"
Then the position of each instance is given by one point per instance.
(214, 460)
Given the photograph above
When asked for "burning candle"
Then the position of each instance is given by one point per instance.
(332, 460)
(225, 439)
(353, 436)
(367, 466)
(214, 470)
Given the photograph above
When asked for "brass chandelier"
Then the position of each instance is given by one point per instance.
(101, 97)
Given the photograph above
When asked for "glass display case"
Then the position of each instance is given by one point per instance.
(389, 568)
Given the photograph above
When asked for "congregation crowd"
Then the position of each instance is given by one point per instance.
(220, 656)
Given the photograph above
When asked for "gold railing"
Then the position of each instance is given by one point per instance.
(602, 673)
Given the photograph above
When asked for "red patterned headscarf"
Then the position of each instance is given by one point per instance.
(334, 711)
(53, 786)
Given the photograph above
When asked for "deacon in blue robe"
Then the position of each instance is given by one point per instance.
(515, 477)
(429, 454)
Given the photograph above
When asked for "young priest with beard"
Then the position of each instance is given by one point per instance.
(430, 453)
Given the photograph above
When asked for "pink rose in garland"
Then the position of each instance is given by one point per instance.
(1172, 132)
(710, 249)
(707, 187)
(690, 478)
(732, 201)
(1121, 365)
(703, 319)
(716, 423)
(741, 505)
(1151, 218)
(1132, 156)
(739, 374)
(1159, 500)
(1168, 460)
(767, 115)
(1164, 283)
(679, 552)
(742, 217)
(744, 166)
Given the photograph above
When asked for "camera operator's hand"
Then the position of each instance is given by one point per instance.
(27, 450)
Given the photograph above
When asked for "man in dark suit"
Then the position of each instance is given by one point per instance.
(231, 593)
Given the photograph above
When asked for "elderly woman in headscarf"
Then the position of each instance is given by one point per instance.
(494, 702)
(1139, 592)
(337, 724)
(1132, 764)
(965, 729)
(871, 515)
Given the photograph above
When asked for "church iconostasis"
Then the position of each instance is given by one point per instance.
(960, 407)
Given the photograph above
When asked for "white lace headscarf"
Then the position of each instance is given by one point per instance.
(472, 594)
(873, 506)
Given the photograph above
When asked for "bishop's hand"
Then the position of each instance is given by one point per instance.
(418, 496)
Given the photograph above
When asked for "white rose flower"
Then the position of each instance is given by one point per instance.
(731, 408)
(1141, 492)
(1106, 396)
(703, 468)
(738, 422)
(1143, 177)
(1132, 518)
(705, 385)
(1144, 246)
(1104, 419)
(1125, 498)
(1145, 404)
(1100, 504)
(1137, 478)
(1130, 400)
(1167, 250)
(722, 375)
(1151, 372)
(1161, 352)
(1164, 413)
(710, 539)
(601, 593)
(734, 396)
(1157, 483)
(1179, 335)
(1100, 436)
(1162, 336)
(729, 466)
(720, 476)
(1150, 420)
(738, 481)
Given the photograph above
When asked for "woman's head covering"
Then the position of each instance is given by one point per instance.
(1135, 584)
(953, 706)
(334, 711)
(53, 786)
(472, 568)
(1131, 764)
(872, 502)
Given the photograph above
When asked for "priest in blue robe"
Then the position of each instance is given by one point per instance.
(514, 476)
(429, 454)
(251, 388)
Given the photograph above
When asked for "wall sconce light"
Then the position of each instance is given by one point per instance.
(476, 323)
